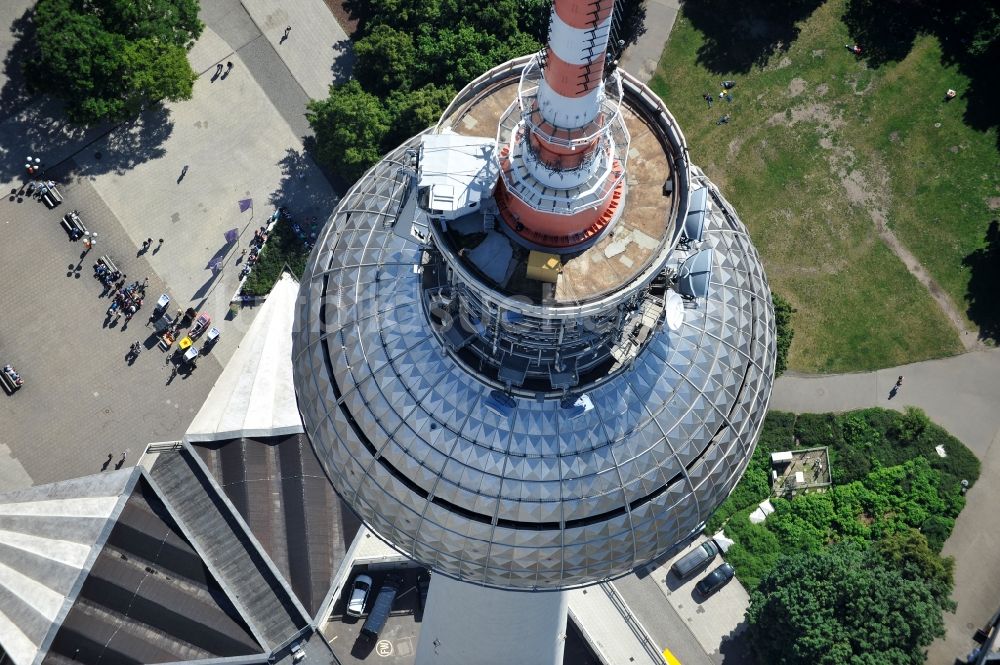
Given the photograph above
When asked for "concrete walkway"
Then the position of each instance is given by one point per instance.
(610, 627)
(641, 58)
(962, 394)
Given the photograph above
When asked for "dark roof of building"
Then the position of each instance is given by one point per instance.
(279, 488)
(149, 598)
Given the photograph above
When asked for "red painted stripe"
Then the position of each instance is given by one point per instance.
(565, 79)
(578, 13)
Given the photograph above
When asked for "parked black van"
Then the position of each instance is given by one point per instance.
(379, 612)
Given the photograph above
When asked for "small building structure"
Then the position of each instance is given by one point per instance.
(799, 471)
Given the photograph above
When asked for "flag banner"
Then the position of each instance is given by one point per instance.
(232, 235)
(245, 204)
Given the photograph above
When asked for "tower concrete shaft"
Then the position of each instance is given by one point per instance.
(562, 165)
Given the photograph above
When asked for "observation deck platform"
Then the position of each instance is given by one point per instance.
(646, 228)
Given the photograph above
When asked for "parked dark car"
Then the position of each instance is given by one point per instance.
(715, 580)
(379, 612)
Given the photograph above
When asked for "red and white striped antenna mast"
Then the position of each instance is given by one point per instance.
(563, 144)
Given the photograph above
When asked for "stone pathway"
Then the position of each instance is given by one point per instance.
(641, 58)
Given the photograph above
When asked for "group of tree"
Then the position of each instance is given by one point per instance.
(412, 56)
(108, 59)
(891, 507)
(852, 603)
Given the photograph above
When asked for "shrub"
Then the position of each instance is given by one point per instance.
(816, 429)
(784, 333)
(283, 248)
(936, 530)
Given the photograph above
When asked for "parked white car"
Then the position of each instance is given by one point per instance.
(359, 595)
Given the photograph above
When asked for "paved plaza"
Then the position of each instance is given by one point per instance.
(240, 137)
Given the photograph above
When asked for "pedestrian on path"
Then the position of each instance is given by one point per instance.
(181, 177)
(229, 68)
(285, 36)
(218, 71)
(107, 462)
(896, 388)
(121, 462)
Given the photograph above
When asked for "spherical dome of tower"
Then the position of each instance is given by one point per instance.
(527, 420)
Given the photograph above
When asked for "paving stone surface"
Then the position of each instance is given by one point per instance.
(81, 400)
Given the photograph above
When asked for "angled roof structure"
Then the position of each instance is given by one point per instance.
(49, 538)
(279, 488)
(96, 570)
(254, 395)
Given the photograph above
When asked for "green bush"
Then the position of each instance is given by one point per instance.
(816, 429)
(777, 432)
(888, 482)
(784, 333)
(936, 530)
(283, 248)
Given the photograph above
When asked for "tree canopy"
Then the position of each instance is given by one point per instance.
(413, 54)
(350, 125)
(845, 604)
(109, 58)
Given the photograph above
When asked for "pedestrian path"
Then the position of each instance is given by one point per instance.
(315, 48)
(610, 628)
(961, 393)
(641, 58)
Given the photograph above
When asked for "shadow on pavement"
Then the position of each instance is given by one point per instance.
(343, 62)
(742, 33)
(36, 124)
(735, 648)
(304, 196)
(14, 94)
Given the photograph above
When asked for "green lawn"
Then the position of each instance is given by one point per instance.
(820, 149)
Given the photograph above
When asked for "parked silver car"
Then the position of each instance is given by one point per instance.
(359, 595)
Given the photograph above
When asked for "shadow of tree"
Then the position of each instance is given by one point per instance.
(887, 29)
(303, 189)
(984, 285)
(15, 94)
(742, 33)
(36, 124)
(131, 143)
(343, 63)
(735, 648)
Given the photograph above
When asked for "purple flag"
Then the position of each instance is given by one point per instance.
(245, 204)
(232, 235)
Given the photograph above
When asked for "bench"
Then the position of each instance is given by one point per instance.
(73, 225)
(106, 260)
(51, 196)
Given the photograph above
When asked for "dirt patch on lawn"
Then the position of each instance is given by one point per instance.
(796, 87)
(993, 202)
